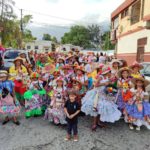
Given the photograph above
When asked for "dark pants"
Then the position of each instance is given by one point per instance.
(72, 126)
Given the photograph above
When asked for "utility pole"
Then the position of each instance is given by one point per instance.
(21, 22)
(21, 27)
(2, 10)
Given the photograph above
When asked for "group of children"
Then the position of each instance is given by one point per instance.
(63, 88)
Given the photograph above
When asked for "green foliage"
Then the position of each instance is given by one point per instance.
(78, 35)
(11, 34)
(107, 45)
(48, 37)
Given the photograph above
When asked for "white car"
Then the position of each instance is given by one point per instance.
(10, 55)
(146, 72)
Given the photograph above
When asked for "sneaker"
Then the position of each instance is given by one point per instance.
(75, 138)
(67, 138)
(138, 128)
(131, 127)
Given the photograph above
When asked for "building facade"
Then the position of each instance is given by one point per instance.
(39, 46)
(131, 30)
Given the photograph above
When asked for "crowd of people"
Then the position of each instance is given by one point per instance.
(63, 86)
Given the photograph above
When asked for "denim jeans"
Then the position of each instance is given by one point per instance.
(72, 126)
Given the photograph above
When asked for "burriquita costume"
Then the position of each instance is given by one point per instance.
(106, 107)
(19, 78)
(56, 111)
(124, 93)
(34, 99)
(138, 108)
(7, 104)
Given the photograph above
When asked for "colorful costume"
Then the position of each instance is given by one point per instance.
(34, 99)
(7, 104)
(56, 111)
(106, 107)
(138, 109)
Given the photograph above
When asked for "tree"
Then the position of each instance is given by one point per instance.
(54, 39)
(106, 43)
(95, 34)
(47, 37)
(78, 35)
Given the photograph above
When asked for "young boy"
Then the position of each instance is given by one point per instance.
(72, 110)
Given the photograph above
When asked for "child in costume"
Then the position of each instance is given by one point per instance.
(72, 110)
(60, 63)
(102, 100)
(18, 74)
(33, 97)
(136, 67)
(124, 84)
(55, 113)
(138, 108)
(9, 106)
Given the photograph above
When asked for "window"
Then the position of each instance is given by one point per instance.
(116, 23)
(36, 47)
(135, 12)
(11, 55)
(28, 47)
(147, 70)
(125, 13)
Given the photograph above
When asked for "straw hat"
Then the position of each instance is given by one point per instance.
(116, 61)
(61, 58)
(124, 69)
(56, 73)
(18, 58)
(3, 73)
(60, 79)
(69, 56)
(99, 66)
(105, 70)
(146, 82)
(136, 64)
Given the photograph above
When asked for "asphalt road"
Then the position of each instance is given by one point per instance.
(38, 134)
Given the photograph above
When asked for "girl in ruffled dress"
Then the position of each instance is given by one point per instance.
(124, 84)
(136, 67)
(104, 102)
(138, 108)
(9, 106)
(33, 97)
(55, 113)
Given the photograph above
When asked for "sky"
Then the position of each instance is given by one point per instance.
(67, 12)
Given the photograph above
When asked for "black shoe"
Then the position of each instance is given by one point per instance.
(5, 122)
(16, 122)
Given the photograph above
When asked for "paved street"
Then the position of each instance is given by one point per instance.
(37, 134)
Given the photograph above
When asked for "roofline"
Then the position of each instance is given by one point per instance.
(123, 6)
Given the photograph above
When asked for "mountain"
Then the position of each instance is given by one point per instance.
(57, 31)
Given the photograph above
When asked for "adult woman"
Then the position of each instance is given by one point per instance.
(18, 74)
(8, 104)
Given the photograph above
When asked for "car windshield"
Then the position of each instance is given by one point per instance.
(147, 70)
(11, 55)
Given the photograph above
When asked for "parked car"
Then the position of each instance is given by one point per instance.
(146, 72)
(10, 55)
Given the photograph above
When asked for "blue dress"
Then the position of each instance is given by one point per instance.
(139, 111)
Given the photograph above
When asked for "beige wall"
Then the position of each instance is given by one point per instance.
(147, 8)
(128, 44)
(125, 23)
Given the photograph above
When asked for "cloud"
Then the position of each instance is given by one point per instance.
(83, 11)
